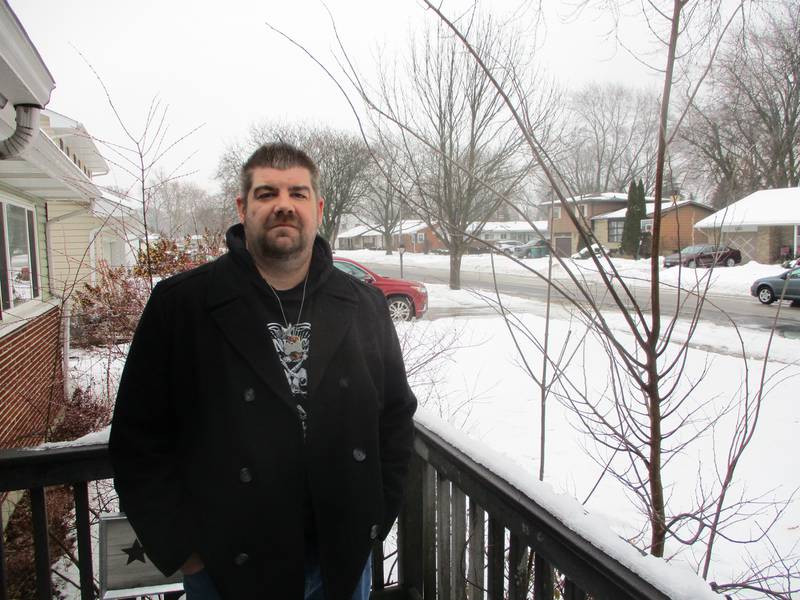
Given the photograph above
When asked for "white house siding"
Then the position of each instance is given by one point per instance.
(77, 244)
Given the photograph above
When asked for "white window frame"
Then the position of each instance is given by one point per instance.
(616, 223)
(420, 237)
(7, 201)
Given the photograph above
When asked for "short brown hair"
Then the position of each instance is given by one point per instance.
(277, 155)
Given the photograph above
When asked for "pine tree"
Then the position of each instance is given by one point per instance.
(632, 228)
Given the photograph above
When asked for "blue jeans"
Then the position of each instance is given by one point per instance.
(200, 587)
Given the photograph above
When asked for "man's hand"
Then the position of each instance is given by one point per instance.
(192, 565)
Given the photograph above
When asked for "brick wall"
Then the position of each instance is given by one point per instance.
(677, 228)
(31, 384)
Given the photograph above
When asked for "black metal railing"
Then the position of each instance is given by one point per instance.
(464, 533)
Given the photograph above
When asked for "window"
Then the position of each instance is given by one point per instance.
(350, 269)
(503, 236)
(420, 237)
(615, 227)
(556, 212)
(646, 225)
(19, 272)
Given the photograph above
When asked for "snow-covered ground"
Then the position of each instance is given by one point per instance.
(721, 280)
(479, 392)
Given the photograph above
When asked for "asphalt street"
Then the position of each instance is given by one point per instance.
(720, 309)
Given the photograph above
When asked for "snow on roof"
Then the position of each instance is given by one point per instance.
(649, 208)
(357, 231)
(764, 207)
(409, 226)
(515, 226)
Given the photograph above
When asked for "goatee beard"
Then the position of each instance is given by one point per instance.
(275, 252)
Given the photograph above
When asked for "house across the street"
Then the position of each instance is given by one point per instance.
(764, 226)
(565, 235)
(677, 225)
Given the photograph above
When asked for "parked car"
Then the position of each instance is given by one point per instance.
(532, 249)
(507, 246)
(407, 299)
(704, 255)
(791, 263)
(586, 252)
(769, 289)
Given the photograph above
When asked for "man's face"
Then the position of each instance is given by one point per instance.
(281, 214)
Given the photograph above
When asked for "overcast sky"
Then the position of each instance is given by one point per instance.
(217, 64)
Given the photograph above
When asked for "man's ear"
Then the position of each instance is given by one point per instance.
(241, 207)
(320, 206)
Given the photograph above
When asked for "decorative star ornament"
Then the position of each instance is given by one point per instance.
(135, 552)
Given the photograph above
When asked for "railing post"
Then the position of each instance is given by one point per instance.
(41, 544)
(443, 537)
(476, 551)
(429, 531)
(3, 582)
(497, 554)
(81, 494)
(542, 579)
(410, 529)
(459, 543)
(517, 569)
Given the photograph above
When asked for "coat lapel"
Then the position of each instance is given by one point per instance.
(231, 305)
(332, 314)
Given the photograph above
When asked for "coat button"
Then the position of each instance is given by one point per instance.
(359, 455)
(373, 532)
(241, 559)
(249, 395)
(245, 476)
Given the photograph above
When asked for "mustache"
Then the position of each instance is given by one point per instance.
(286, 219)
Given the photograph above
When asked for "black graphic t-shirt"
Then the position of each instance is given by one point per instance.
(292, 345)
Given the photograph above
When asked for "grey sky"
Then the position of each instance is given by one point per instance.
(218, 64)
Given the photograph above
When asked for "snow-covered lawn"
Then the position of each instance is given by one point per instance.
(504, 413)
(480, 390)
(721, 280)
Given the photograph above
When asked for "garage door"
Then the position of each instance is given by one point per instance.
(564, 245)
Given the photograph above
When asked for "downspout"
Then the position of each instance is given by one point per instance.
(27, 126)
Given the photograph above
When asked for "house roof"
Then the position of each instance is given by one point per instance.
(764, 207)
(76, 137)
(357, 231)
(409, 226)
(24, 77)
(512, 226)
(649, 208)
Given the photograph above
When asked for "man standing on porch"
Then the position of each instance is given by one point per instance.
(263, 424)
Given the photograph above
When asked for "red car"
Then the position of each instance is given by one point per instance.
(407, 299)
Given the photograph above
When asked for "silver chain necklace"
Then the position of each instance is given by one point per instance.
(291, 342)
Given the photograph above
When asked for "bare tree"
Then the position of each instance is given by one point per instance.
(610, 140)
(744, 134)
(457, 118)
(382, 207)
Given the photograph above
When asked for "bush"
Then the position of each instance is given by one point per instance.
(107, 313)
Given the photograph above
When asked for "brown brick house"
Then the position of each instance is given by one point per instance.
(565, 234)
(677, 225)
(764, 226)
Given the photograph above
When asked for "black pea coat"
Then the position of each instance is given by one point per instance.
(209, 451)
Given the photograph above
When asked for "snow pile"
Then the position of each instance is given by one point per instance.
(720, 280)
